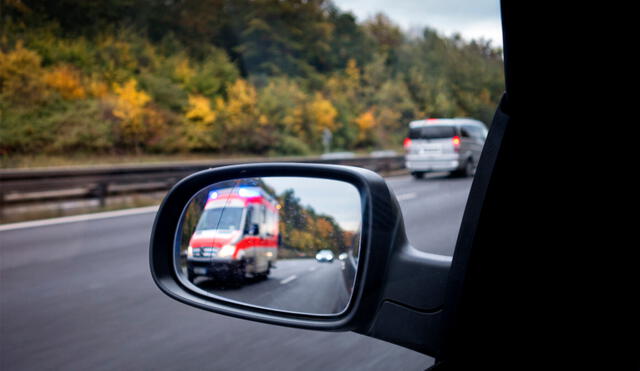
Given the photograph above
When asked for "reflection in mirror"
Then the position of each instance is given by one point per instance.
(287, 243)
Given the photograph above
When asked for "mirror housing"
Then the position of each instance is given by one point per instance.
(397, 289)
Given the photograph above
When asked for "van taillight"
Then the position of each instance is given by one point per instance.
(407, 143)
(456, 143)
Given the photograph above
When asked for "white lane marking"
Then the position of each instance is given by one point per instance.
(78, 218)
(312, 269)
(406, 196)
(288, 279)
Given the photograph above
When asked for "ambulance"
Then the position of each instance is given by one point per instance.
(236, 236)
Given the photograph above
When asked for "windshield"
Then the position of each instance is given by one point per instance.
(106, 105)
(432, 132)
(228, 218)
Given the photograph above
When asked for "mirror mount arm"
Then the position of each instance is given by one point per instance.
(413, 298)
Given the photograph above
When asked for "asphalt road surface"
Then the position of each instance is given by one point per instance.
(298, 285)
(78, 296)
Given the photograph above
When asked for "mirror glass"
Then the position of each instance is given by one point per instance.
(286, 243)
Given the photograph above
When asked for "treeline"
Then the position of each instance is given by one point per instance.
(225, 77)
(304, 232)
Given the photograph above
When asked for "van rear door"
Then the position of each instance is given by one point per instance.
(432, 140)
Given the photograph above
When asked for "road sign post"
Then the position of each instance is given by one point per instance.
(326, 140)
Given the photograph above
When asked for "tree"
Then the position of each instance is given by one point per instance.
(137, 122)
(245, 128)
(283, 37)
(20, 76)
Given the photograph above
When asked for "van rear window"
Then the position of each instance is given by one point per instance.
(432, 132)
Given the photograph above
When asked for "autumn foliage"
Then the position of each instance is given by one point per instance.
(226, 77)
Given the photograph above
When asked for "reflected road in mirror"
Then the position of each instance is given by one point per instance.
(299, 285)
(273, 242)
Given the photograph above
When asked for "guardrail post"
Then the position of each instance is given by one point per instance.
(100, 192)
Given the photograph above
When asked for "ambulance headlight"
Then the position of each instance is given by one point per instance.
(227, 251)
(189, 252)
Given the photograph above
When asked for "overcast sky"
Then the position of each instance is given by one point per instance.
(473, 19)
(329, 197)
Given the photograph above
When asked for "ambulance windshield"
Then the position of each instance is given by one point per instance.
(222, 218)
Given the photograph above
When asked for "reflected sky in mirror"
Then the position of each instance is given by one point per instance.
(330, 199)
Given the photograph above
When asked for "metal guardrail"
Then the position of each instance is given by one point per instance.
(18, 186)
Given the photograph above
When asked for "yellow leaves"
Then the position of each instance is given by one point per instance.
(240, 110)
(295, 113)
(200, 110)
(235, 118)
(293, 121)
(366, 121)
(97, 88)
(321, 113)
(66, 81)
(20, 75)
(130, 109)
(242, 97)
(184, 72)
(18, 61)
(24, 80)
(199, 131)
(129, 100)
(346, 84)
(352, 71)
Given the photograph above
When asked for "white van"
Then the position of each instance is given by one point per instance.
(451, 145)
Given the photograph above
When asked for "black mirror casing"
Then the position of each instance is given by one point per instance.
(397, 288)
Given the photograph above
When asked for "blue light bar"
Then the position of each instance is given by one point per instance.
(248, 192)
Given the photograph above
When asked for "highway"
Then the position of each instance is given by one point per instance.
(79, 296)
(299, 285)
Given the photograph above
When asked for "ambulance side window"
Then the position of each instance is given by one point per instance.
(263, 221)
(248, 220)
(269, 223)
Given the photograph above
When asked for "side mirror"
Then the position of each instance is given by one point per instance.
(385, 288)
